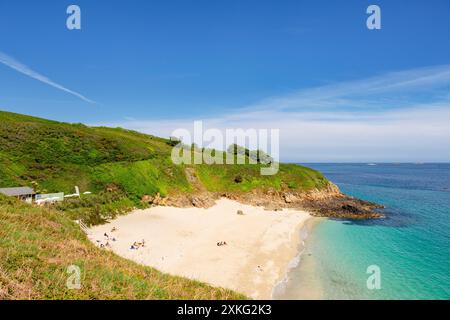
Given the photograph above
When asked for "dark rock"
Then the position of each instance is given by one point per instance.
(350, 208)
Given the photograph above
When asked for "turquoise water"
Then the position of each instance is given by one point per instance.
(411, 246)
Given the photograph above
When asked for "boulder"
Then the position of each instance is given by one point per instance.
(350, 208)
(197, 202)
(147, 199)
(289, 198)
(157, 200)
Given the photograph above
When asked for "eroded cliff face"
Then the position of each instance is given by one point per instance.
(327, 202)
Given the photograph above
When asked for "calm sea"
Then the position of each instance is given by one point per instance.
(411, 246)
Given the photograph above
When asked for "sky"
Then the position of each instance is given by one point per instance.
(337, 91)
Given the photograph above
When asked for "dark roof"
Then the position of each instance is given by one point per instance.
(19, 191)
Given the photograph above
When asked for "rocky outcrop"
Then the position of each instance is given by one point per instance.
(203, 201)
(326, 202)
(156, 200)
(199, 200)
(289, 198)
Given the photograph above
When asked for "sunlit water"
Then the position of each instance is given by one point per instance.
(411, 246)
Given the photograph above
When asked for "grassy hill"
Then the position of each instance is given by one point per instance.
(37, 245)
(59, 156)
(54, 157)
(119, 167)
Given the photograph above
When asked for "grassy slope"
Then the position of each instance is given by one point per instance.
(59, 155)
(37, 245)
(53, 157)
(290, 176)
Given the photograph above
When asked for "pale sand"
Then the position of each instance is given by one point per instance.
(302, 281)
(183, 241)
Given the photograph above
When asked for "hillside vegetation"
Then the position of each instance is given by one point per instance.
(118, 166)
(37, 245)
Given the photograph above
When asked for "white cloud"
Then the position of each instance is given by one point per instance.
(387, 89)
(16, 65)
(416, 134)
(314, 125)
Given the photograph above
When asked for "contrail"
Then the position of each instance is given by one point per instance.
(16, 65)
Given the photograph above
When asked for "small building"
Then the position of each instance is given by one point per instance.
(23, 193)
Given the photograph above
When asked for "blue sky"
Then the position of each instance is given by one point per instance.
(336, 90)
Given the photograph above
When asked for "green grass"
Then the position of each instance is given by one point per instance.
(119, 166)
(56, 154)
(290, 176)
(37, 245)
(51, 156)
(96, 208)
(142, 177)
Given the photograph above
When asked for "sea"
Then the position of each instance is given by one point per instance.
(405, 255)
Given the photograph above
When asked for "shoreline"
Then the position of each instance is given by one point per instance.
(301, 268)
(260, 244)
(280, 286)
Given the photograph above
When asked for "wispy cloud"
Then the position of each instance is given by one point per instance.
(399, 116)
(20, 67)
(390, 90)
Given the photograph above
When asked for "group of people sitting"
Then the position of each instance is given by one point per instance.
(107, 239)
(221, 243)
(103, 245)
(137, 245)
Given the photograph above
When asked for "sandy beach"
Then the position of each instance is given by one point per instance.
(184, 241)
